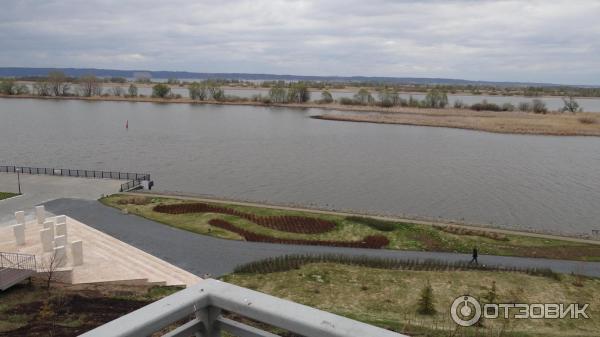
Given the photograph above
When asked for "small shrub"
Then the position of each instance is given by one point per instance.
(539, 107)
(425, 306)
(326, 97)
(435, 99)
(347, 101)
(459, 104)
(386, 104)
(491, 296)
(571, 105)
(485, 106)
(508, 107)
(525, 107)
(587, 120)
(161, 90)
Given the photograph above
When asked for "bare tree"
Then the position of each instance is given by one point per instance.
(278, 94)
(49, 267)
(571, 105)
(90, 85)
(42, 88)
(215, 92)
(59, 84)
(198, 91)
(133, 90)
(117, 91)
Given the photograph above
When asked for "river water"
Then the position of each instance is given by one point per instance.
(283, 156)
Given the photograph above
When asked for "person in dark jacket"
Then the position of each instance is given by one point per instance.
(474, 256)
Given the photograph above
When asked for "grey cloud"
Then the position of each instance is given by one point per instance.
(550, 41)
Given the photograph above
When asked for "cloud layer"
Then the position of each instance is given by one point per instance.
(538, 41)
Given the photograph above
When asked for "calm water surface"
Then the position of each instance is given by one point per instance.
(282, 155)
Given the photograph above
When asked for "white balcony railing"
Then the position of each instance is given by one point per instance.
(201, 306)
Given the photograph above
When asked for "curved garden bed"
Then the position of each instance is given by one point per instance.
(291, 224)
(371, 241)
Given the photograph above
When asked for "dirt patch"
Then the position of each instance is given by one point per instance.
(70, 310)
(84, 313)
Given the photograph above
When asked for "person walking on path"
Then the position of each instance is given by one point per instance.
(475, 253)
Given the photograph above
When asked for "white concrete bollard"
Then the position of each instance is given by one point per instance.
(20, 216)
(60, 240)
(50, 225)
(47, 236)
(40, 214)
(60, 256)
(60, 229)
(77, 252)
(19, 231)
(61, 219)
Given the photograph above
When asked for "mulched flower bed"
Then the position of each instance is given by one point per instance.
(291, 224)
(372, 241)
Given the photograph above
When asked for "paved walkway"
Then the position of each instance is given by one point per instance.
(38, 189)
(200, 254)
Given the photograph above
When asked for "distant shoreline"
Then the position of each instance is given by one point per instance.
(553, 124)
(346, 89)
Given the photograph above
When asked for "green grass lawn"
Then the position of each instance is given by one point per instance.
(6, 195)
(403, 236)
(388, 298)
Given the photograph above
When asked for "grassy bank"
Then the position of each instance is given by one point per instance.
(401, 235)
(575, 124)
(578, 124)
(69, 310)
(6, 195)
(388, 298)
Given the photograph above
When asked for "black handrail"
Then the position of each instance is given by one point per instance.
(135, 179)
(17, 261)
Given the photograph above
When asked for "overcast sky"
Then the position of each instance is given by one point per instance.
(537, 41)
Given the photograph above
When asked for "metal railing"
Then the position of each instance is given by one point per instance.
(15, 267)
(135, 179)
(202, 304)
(17, 261)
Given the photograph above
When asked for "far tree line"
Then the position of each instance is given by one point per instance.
(58, 84)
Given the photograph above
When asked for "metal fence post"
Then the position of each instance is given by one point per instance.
(209, 317)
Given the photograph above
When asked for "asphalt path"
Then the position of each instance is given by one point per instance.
(201, 254)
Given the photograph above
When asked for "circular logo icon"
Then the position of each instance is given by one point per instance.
(465, 310)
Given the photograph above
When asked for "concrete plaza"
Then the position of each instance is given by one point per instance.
(38, 189)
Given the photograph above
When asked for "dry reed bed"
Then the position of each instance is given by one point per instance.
(498, 122)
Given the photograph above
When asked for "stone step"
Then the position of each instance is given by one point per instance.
(144, 266)
(150, 265)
